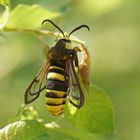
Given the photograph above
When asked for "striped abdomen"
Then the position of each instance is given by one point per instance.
(56, 90)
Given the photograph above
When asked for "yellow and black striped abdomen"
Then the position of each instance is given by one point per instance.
(56, 90)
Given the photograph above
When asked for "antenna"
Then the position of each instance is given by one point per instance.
(77, 28)
(47, 20)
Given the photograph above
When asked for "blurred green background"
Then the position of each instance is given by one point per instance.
(114, 46)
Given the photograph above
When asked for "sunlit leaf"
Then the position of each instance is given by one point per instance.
(96, 116)
(25, 16)
(5, 2)
(25, 113)
(5, 15)
(23, 130)
(64, 127)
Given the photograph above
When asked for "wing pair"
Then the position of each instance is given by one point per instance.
(37, 85)
(75, 94)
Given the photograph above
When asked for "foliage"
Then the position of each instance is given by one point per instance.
(97, 112)
(28, 20)
(24, 130)
(97, 115)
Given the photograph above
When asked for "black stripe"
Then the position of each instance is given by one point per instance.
(58, 63)
(54, 84)
(56, 71)
(54, 95)
(55, 80)
(54, 104)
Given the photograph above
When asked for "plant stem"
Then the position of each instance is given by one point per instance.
(42, 32)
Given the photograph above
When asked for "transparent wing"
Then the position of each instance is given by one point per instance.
(75, 93)
(37, 85)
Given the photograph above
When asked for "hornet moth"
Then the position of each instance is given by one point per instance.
(60, 75)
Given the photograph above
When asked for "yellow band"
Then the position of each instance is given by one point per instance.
(55, 67)
(54, 109)
(54, 100)
(57, 76)
(59, 93)
(57, 113)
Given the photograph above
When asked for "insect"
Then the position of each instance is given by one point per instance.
(59, 72)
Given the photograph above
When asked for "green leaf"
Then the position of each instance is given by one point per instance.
(5, 2)
(5, 14)
(24, 130)
(25, 112)
(96, 116)
(41, 137)
(64, 127)
(24, 16)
